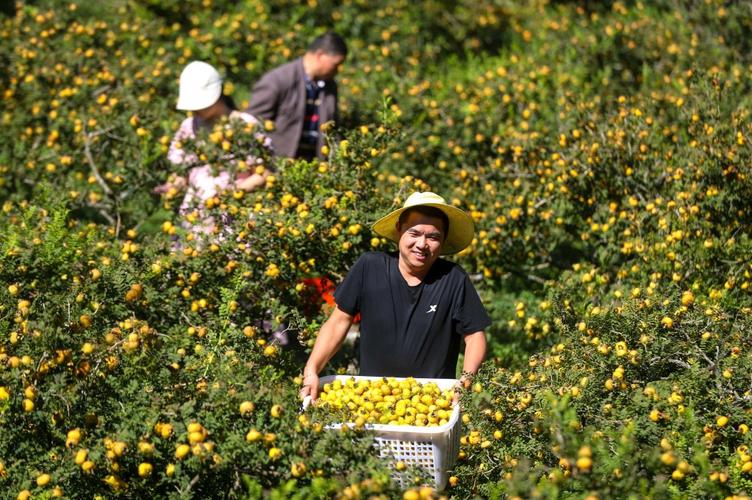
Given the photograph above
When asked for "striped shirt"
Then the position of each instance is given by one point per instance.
(310, 135)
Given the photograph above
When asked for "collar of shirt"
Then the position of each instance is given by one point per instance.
(315, 83)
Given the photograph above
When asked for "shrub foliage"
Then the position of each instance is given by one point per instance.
(603, 151)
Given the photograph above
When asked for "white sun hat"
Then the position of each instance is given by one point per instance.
(461, 227)
(200, 86)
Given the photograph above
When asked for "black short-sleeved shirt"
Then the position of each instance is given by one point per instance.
(410, 330)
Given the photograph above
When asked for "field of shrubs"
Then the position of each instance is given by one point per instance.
(602, 148)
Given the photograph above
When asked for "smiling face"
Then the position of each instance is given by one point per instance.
(421, 238)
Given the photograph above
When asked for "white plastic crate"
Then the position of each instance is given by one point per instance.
(434, 449)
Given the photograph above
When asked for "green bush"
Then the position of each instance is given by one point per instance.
(602, 151)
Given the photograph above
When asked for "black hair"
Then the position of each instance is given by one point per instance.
(428, 211)
(330, 43)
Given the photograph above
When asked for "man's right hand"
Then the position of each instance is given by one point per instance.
(310, 386)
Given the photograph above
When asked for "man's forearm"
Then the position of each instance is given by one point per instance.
(328, 342)
(331, 336)
(475, 352)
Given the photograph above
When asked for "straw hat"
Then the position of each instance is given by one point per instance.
(200, 86)
(461, 227)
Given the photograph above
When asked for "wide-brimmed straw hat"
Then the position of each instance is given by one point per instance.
(200, 86)
(461, 227)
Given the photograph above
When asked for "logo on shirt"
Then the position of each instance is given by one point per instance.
(432, 309)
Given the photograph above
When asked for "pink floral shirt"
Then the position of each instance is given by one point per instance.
(202, 184)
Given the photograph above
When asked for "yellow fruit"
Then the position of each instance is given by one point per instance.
(88, 466)
(426, 493)
(30, 392)
(145, 448)
(276, 411)
(687, 298)
(170, 469)
(28, 405)
(389, 401)
(118, 448)
(43, 480)
(668, 458)
(721, 421)
(584, 463)
(81, 456)
(252, 436)
(298, 469)
(144, 469)
(134, 293)
(270, 350)
(195, 437)
(246, 408)
(85, 320)
(275, 453)
(165, 430)
(24, 495)
(181, 451)
(411, 494)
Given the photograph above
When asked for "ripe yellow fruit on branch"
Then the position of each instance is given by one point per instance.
(134, 292)
(584, 463)
(181, 451)
(298, 469)
(276, 411)
(145, 448)
(81, 456)
(253, 436)
(74, 436)
(163, 429)
(144, 469)
(246, 408)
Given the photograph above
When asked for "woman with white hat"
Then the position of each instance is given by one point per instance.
(201, 93)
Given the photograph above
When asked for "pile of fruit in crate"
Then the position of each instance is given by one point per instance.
(389, 401)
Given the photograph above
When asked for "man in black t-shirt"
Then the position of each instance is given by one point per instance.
(416, 309)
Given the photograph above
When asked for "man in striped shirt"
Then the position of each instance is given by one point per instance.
(299, 96)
